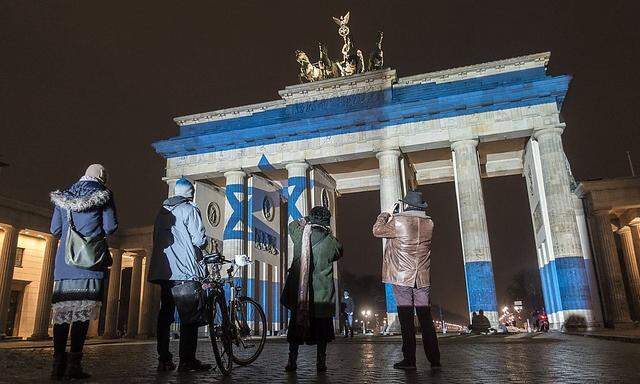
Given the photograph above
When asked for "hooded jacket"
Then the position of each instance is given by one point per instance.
(94, 214)
(407, 252)
(178, 236)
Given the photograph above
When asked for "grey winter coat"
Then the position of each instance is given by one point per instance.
(178, 236)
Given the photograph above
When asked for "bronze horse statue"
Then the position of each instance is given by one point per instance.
(376, 60)
(352, 62)
(323, 69)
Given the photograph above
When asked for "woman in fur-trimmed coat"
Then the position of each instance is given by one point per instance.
(77, 293)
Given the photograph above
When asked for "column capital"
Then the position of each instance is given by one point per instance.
(602, 212)
(298, 165)
(555, 130)
(464, 143)
(9, 227)
(136, 253)
(388, 152)
(624, 230)
(236, 173)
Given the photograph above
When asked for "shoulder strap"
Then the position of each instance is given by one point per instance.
(70, 220)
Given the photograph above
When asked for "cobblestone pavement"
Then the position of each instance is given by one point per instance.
(552, 358)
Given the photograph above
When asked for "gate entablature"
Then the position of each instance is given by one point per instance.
(356, 116)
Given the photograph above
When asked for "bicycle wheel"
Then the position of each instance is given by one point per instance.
(220, 335)
(250, 331)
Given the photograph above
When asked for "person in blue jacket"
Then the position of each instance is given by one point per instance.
(77, 293)
(178, 237)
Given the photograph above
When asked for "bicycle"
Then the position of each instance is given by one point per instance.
(238, 328)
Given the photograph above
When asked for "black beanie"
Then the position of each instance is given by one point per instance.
(320, 215)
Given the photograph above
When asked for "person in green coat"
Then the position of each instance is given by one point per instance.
(309, 291)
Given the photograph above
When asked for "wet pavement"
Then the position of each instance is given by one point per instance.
(540, 358)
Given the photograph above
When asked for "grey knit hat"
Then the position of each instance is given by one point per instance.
(98, 172)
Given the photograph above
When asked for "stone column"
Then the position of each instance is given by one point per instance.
(634, 226)
(134, 297)
(234, 214)
(631, 264)
(390, 193)
(572, 278)
(481, 289)
(45, 291)
(148, 312)
(595, 320)
(7, 263)
(616, 308)
(113, 295)
(298, 199)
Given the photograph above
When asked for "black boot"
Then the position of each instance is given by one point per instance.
(321, 358)
(74, 367)
(165, 366)
(408, 329)
(292, 364)
(429, 337)
(321, 363)
(193, 365)
(59, 366)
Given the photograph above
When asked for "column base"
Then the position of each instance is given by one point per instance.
(145, 336)
(39, 337)
(110, 336)
(625, 325)
(393, 323)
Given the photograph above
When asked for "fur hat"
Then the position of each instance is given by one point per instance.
(98, 172)
(320, 215)
(184, 188)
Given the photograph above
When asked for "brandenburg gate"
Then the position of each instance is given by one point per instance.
(257, 167)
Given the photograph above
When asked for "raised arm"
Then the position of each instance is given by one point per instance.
(383, 227)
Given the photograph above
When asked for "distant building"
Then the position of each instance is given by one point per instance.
(612, 208)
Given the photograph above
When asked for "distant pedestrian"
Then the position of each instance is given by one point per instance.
(309, 291)
(178, 236)
(480, 323)
(348, 307)
(87, 207)
(407, 266)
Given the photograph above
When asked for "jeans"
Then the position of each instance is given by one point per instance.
(188, 333)
(348, 324)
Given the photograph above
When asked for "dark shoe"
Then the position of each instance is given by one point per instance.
(166, 366)
(321, 363)
(405, 365)
(74, 367)
(292, 364)
(59, 366)
(193, 366)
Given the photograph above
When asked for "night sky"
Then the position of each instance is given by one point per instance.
(85, 82)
